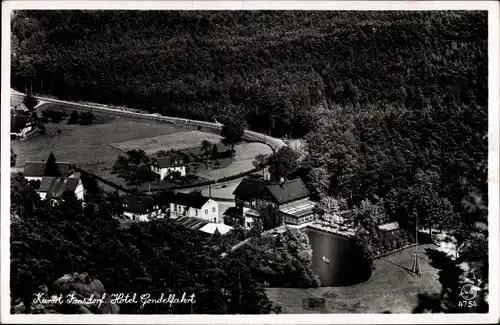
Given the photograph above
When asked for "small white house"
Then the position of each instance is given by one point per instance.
(168, 164)
(195, 206)
(141, 208)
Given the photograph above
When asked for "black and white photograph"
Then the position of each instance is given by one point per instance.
(237, 159)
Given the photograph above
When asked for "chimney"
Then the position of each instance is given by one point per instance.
(282, 180)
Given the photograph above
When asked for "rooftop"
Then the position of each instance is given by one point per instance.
(211, 228)
(169, 161)
(136, 204)
(250, 188)
(55, 186)
(288, 191)
(37, 168)
(189, 200)
(303, 209)
(18, 123)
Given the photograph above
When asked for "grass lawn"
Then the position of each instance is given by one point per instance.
(88, 146)
(178, 141)
(244, 155)
(391, 289)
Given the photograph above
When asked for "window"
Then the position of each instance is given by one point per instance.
(179, 208)
(213, 209)
(206, 211)
(196, 212)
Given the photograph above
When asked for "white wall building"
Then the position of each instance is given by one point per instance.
(195, 206)
(168, 164)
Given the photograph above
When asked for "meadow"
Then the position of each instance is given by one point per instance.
(88, 146)
(178, 141)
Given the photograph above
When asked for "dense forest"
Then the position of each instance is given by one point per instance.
(270, 67)
(392, 105)
(154, 257)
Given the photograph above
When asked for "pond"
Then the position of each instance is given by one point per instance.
(347, 264)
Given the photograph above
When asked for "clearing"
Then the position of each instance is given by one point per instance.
(88, 146)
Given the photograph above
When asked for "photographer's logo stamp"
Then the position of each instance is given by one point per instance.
(468, 293)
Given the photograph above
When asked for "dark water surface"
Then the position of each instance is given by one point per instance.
(347, 265)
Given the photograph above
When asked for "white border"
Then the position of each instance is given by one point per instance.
(493, 163)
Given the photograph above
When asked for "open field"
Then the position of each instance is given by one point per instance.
(244, 155)
(391, 289)
(180, 140)
(88, 146)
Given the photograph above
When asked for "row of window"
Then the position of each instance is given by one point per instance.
(179, 209)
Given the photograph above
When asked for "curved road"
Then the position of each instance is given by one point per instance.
(274, 143)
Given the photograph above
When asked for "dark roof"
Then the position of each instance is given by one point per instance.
(169, 161)
(250, 188)
(138, 204)
(37, 168)
(55, 186)
(190, 200)
(288, 191)
(17, 123)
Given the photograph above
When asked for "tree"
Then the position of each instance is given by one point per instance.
(86, 118)
(206, 147)
(13, 157)
(42, 129)
(196, 192)
(215, 151)
(283, 162)
(260, 162)
(51, 167)
(73, 117)
(161, 153)
(318, 182)
(232, 132)
(271, 217)
(30, 101)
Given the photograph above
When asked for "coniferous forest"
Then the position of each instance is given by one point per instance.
(392, 105)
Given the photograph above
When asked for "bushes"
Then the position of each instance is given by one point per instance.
(54, 116)
(84, 118)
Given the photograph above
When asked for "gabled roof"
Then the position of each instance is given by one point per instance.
(211, 228)
(136, 204)
(37, 168)
(288, 191)
(171, 160)
(250, 188)
(189, 200)
(55, 186)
